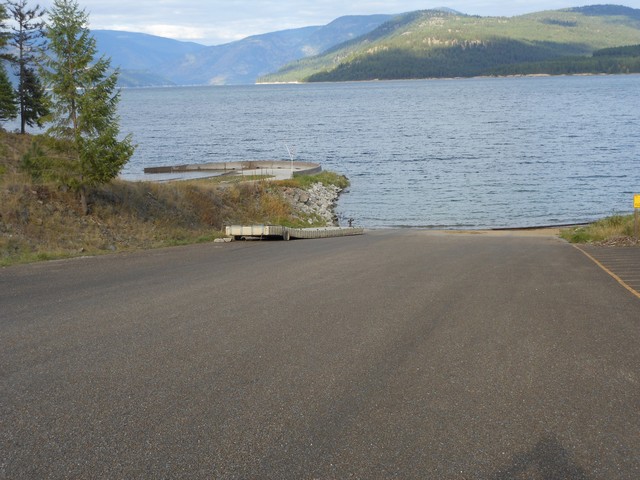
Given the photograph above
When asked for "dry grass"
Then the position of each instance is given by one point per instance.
(617, 229)
(43, 221)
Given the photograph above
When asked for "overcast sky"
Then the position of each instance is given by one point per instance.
(212, 22)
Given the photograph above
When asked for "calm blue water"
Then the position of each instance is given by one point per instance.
(467, 153)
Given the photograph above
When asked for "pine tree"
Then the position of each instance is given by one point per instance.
(32, 99)
(84, 101)
(8, 106)
(8, 101)
(4, 34)
(26, 38)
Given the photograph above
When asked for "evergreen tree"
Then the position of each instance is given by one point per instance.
(8, 107)
(26, 39)
(32, 99)
(8, 101)
(85, 126)
(4, 34)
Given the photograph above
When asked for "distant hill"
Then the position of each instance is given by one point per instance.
(144, 60)
(147, 60)
(437, 43)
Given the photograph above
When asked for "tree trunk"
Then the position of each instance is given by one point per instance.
(83, 201)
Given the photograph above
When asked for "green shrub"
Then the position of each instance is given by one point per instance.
(325, 177)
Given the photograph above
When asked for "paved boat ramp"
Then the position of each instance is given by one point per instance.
(276, 169)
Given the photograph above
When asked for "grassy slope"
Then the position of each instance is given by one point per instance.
(42, 221)
(558, 32)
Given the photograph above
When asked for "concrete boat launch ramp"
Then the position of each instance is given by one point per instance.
(278, 169)
(239, 232)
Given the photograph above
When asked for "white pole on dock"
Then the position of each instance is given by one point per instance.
(291, 157)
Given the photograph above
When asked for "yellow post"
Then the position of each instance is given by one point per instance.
(636, 208)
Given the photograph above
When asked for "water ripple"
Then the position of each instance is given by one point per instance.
(431, 154)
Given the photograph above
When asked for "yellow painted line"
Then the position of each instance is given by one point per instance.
(618, 264)
(616, 277)
(621, 266)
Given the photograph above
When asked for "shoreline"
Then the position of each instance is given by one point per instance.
(509, 232)
(528, 75)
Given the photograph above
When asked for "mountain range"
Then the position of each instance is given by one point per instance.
(421, 44)
(147, 60)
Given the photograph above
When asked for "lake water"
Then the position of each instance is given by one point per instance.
(468, 153)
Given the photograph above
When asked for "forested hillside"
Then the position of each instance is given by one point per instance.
(436, 44)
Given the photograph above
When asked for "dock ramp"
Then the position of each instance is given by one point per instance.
(239, 232)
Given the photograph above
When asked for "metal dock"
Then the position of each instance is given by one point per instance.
(239, 232)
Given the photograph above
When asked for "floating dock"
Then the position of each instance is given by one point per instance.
(239, 232)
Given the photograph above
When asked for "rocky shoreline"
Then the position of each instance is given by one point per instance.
(319, 200)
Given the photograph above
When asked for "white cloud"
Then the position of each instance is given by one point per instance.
(175, 31)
